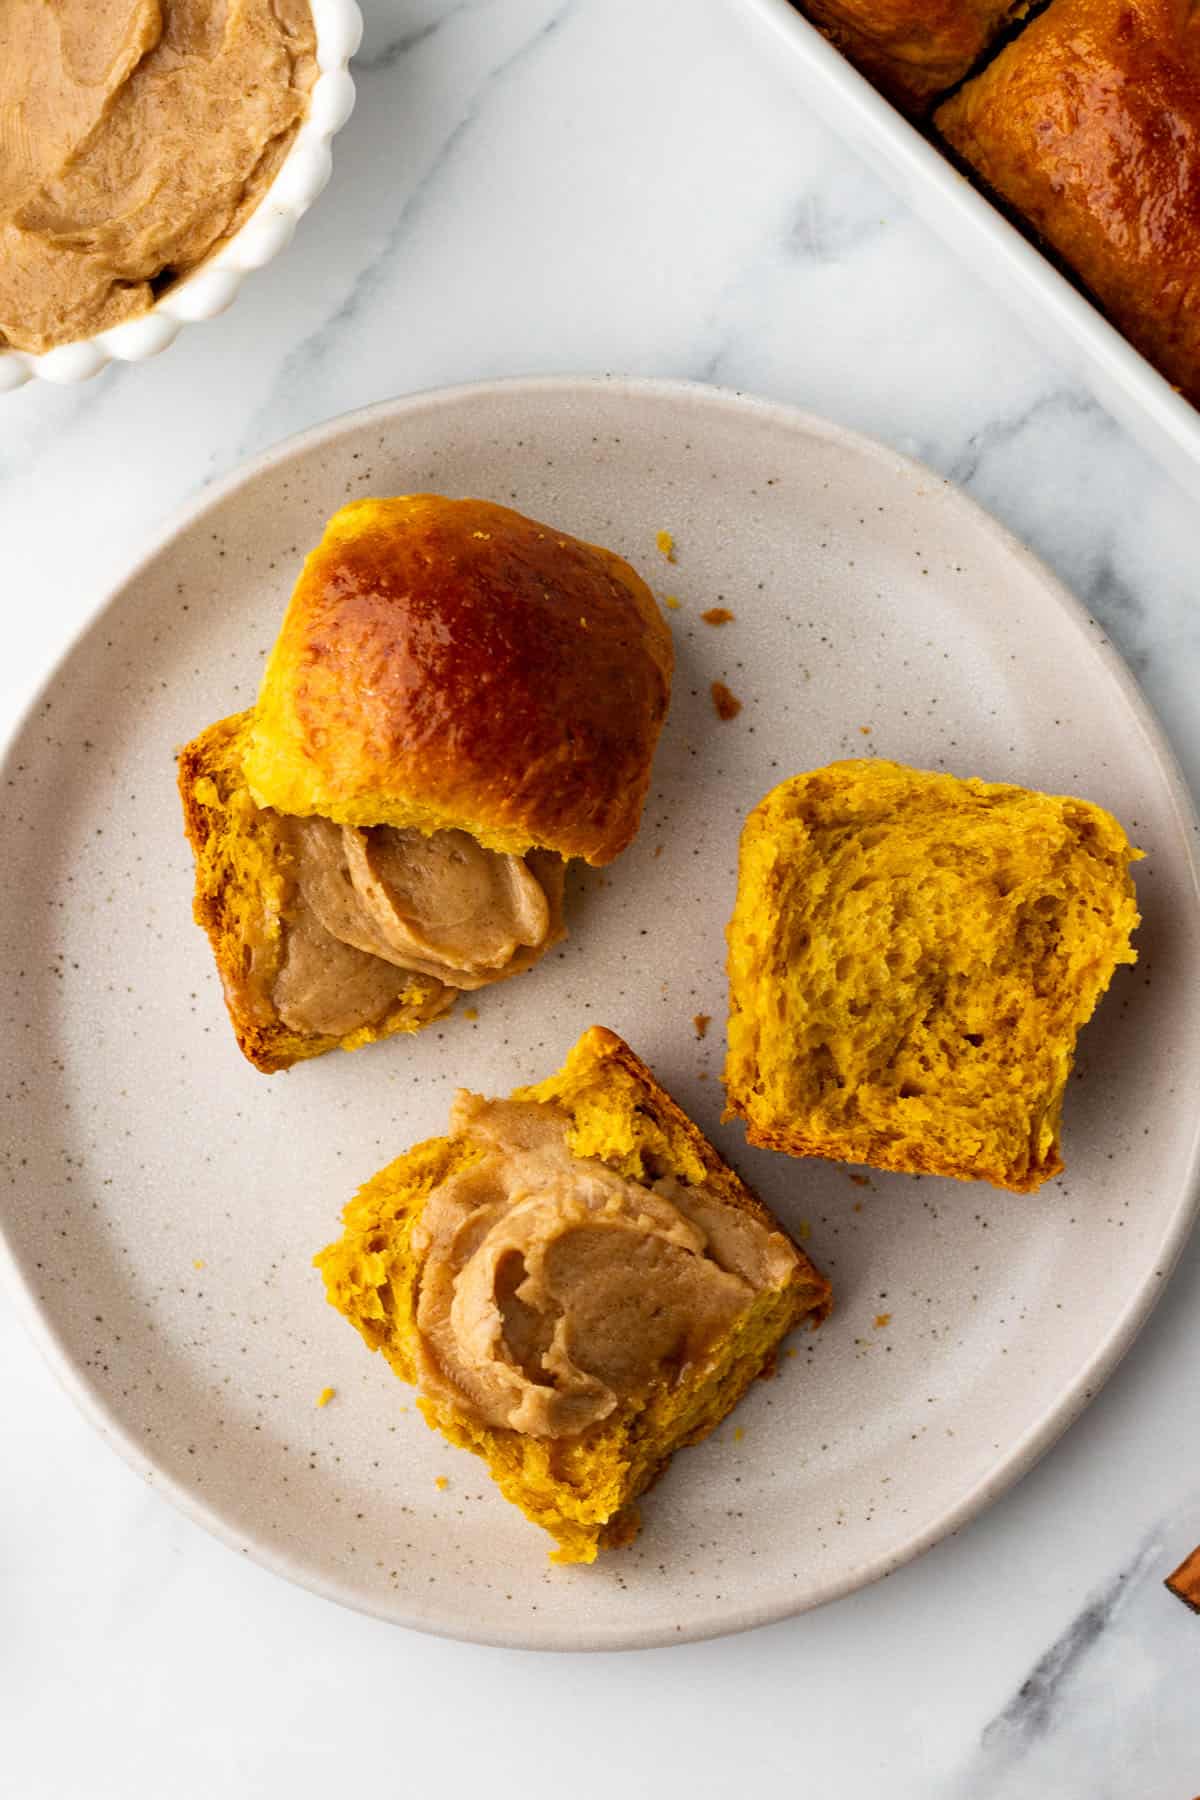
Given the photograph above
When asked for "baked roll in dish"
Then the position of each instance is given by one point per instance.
(911, 957)
(913, 49)
(1088, 125)
(459, 701)
(576, 1284)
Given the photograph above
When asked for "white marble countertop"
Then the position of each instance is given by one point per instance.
(623, 185)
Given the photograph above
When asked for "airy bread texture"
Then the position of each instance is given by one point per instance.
(911, 957)
(580, 1489)
(1088, 124)
(242, 884)
(913, 49)
(450, 663)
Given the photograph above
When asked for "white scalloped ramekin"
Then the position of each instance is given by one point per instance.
(302, 175)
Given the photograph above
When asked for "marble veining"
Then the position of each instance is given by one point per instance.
(1037, 1705)
(328, 338)
(1096, 1701)
(628, 185)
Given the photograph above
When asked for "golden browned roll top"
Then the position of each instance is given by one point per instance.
(452, 664)
(1089, 125)
(1083, 116)
(913, 49)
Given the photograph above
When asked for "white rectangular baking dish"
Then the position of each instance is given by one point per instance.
(1120, 377)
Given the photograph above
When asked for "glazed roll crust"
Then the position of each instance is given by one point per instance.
(1088, 125)
(913, 49)
(453, 664)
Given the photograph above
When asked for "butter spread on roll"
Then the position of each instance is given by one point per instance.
(577, 1284)
(553, 1288)
(137, 135)
(441, 906)
(327, 988)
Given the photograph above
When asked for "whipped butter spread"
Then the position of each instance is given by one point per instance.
(553, 1289)
(135, 137)
(371, 907)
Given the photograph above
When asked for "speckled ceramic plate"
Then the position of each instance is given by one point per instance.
(162, 1202)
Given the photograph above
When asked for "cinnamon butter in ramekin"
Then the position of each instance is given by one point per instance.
(138, 137)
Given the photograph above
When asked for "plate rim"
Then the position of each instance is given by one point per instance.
(1043, 1433)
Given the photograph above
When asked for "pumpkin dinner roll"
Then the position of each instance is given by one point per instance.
(1088, 126)
(913, 49)
(577, 1285)
(460, 700)
(911, 957)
